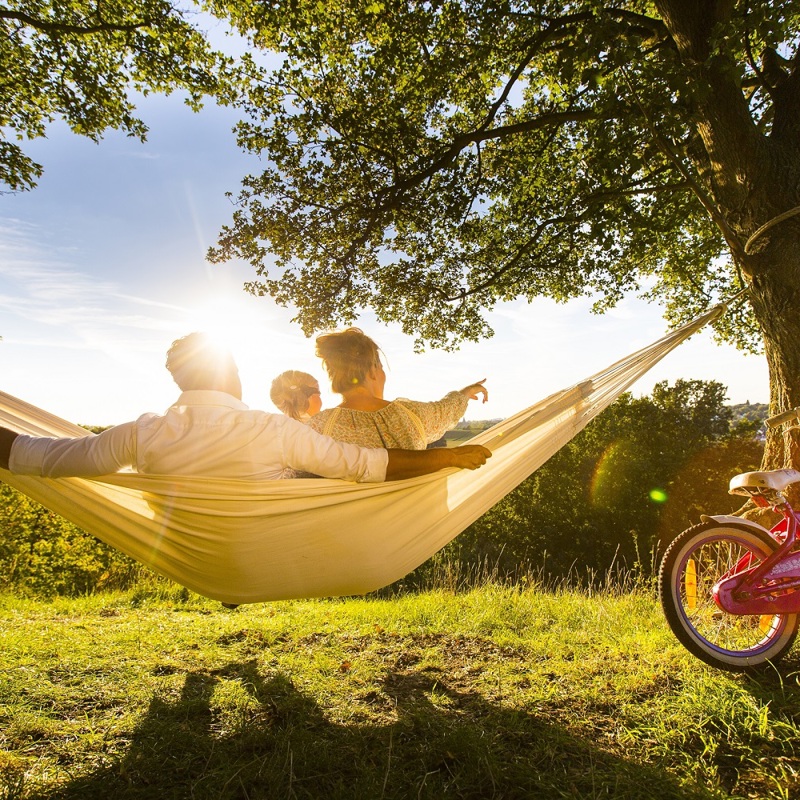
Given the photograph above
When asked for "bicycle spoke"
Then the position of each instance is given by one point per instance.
(710, 562)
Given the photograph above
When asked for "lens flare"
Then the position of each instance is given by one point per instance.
(602, 489)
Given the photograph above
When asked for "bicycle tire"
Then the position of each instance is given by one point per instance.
(692, 564)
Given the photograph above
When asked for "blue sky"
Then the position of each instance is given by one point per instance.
(103, 265)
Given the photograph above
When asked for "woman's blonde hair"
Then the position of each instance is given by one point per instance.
(290, 392)
(349, 356)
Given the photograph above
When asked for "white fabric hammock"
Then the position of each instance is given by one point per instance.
(243, 541)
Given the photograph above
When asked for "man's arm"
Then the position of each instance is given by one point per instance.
(411, 463)
(6, 440)
(65, 457)
(309, 451)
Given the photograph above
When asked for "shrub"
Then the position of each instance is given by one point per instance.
(41, 554)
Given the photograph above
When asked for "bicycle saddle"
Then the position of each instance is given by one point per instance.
(757, 482)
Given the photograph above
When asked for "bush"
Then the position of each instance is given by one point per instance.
(41, 554)
(612, 498)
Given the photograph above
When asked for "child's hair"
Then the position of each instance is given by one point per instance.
(349, 356)
(290, 392)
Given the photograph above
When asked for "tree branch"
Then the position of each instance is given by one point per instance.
(533, 45)
(593, 199)
(731, 238)
(761, 78)
(478, 135)
(59, 27)
(483, 133)
(773, 70)
(476, 185)
(635, 22)
(546, 120)
(512, 262)
(612, 194)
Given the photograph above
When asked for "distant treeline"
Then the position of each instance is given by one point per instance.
(750, 412)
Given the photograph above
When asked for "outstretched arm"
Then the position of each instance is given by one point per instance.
(6, 440)
(411, 463)
(476, 390)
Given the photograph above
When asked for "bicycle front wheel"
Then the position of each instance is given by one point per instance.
(693, 563)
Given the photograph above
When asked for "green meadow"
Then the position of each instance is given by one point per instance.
(490, 692)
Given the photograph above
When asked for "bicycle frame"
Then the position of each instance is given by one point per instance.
(772, 586)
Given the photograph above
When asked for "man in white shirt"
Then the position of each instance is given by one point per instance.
(209, 431)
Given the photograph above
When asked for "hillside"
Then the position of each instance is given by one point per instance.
(750, 411)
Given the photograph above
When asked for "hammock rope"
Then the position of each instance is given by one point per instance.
(255, 541)
(767, 225)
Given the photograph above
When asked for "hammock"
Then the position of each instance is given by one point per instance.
(242, 541)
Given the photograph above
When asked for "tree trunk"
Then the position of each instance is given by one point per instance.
(752, 177)
(775, 297)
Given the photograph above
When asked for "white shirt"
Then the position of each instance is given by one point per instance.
(204, 433)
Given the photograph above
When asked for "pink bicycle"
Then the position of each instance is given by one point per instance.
(728, 586)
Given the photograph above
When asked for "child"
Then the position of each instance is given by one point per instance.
(296, 394)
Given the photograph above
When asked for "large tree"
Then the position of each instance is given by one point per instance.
(81, 60)
(428, 159)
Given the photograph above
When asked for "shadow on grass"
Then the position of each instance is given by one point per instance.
(432, 740)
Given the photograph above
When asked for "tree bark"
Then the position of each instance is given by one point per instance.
(775, 297)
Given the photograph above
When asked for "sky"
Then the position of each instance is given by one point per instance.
(103, 265)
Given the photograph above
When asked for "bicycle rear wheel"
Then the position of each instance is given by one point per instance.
(693, 563)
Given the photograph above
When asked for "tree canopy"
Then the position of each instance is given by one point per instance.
(81, 61)
(429, 158)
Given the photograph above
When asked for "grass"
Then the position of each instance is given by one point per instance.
(489, 693)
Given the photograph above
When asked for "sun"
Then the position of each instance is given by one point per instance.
(261, 336)
(240, 323)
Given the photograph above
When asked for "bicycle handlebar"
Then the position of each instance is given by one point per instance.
(779, 419)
